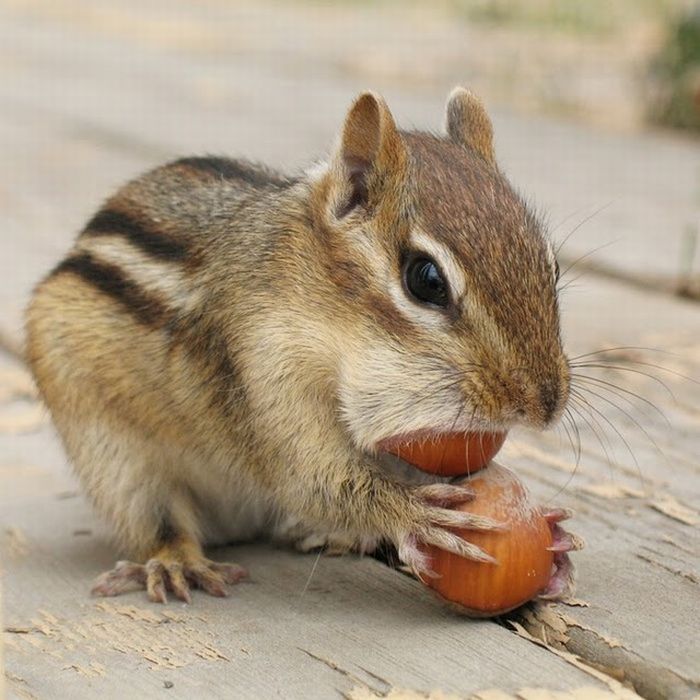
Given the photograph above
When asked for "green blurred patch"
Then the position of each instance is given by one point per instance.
(675, 75)
(592, 17)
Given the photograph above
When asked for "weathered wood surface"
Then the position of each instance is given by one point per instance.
(86, 103)
(280, 635)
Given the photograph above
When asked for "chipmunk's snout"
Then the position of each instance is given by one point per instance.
(553, 395)
(538, 401)
(550, 396)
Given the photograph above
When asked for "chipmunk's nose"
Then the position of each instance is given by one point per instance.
(550, 395)
(554, 393)
(536, 399)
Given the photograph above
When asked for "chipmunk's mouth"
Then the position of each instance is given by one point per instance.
(444, 453)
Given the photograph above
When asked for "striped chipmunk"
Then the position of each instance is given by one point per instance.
(225, 348)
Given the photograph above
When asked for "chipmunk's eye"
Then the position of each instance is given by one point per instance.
(425, 282)
(557, 271)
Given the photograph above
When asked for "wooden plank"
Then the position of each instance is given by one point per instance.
(300, 628)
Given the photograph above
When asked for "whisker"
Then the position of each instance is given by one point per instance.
(619, 434)
(581, 223)
(664, 369)
(577, 432)
(570, 478)
(566, 420)
(452, 427)
(609, 386)
(580, 404)
(569, 284)
(622, 347)
(624, 369)
(639, 426)
(587, 255)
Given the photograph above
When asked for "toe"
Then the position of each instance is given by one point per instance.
(231, 573)
(445, 494)
(561, 585)
(125, 575)
(455, 518)
(563, 541)
(178, 583)
(208, 580)
(310, 543)
(455, 544)
(412, 556)
(155, 581)
(556, 515)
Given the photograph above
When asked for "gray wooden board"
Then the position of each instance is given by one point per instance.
(258, 79)
(281, 634)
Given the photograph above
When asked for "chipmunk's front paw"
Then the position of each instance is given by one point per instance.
(172, 569)
(433, 523)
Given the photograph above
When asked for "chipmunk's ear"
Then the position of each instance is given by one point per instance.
(468, 124)
(369, 156)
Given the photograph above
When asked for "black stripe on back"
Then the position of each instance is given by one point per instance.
(229, 169)
(206, 345)
(157, 244)
(112, 282)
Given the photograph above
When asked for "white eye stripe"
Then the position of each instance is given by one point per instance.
(413, 311)
(445, 260)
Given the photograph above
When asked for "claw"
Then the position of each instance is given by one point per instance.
(445, 494)
(563, 541)
(125, 575)
(455, 544)
(155, 581)
(556, 515)
(466, 521)
(561, 585)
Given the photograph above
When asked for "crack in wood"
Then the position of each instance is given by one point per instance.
(559, 632)
(688, 575)
(339, 669)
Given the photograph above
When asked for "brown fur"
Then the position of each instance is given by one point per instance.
(225, 346)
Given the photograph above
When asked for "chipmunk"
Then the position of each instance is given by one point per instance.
(225, 347)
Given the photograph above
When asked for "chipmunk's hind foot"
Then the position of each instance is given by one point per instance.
(175, 568)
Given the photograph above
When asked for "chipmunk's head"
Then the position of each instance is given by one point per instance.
(447, 283)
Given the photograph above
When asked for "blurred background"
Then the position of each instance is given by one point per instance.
(596, 106)
(596, 109)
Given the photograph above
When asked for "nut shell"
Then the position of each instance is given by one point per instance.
(455, 454)
(524, 565)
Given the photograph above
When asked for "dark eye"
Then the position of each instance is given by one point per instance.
(424, 281)
(557, 272)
